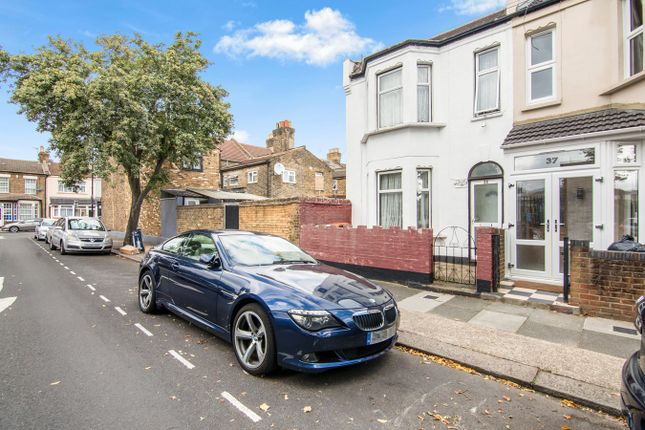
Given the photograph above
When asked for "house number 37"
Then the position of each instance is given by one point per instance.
(551, 160)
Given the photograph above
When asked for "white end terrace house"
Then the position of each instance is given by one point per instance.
(425, 120)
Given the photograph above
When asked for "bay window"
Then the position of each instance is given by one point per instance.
(541, 66)
(423, 93)
(486, 81)
(633, 40)
(390, 98)
(390, 199)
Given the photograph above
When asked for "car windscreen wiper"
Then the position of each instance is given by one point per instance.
(294, 262)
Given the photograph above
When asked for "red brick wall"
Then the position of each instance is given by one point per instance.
(484, 244)
(606, 283)
(392, 249)
(325, 211)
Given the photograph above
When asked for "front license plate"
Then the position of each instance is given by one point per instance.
(380, 335)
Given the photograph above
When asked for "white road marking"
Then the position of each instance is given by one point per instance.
(91, 287)
(1, 237)
(121, 311)
(181, 359)
(246, 411)
(72, 272)
(6, 302)
(80, 279)
(105, 299)
(1, 282)
(66, 268)
(61, 264)
(143, 329)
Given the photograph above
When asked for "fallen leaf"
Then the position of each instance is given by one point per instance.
(565, 427)
(306, 409)
(264, 407)
(568, 403)
(567, 417)
(55, 383)
(286, 396)
(508, 399)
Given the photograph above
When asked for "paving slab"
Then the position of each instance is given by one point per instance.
(556, 319)
(549, 333)
(498, 320)
(424, 301)
(608, 344)
(612, 327)
(459, 341)
(459, 313)
(510, 309)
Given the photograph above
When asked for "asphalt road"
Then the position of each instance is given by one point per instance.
(69, 359)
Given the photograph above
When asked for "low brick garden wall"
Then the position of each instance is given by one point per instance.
(606, 283)
(389, 254)
(200, 216)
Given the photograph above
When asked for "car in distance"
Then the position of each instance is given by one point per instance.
(40, 233)
(632, 392)
(275, 303)
(25, 225)
(79, 234)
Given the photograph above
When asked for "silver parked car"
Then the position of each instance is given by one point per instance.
(79, 234)
(25, 225)
(41, 229)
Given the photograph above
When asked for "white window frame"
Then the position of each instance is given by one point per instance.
(422, 190)
(334, 185)
(479, 74)
(628, 36)
(33, 210)
(424, 84)
(379, 192)
(30, 180)
(636, 153)
(252, 177)
(550, 64)
(77, 188)
(5, 179)
(379, 93)
(289, 177)
(233, 180)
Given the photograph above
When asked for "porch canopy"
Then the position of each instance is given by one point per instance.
(226, 195)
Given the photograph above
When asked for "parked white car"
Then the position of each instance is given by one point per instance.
(41, 229)
(79, 234)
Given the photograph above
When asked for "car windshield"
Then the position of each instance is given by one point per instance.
(47, 222)
(252, 250)
(85, 224)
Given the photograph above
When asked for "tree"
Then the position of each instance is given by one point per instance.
(129, 107)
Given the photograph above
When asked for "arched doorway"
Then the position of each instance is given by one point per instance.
(486, 195)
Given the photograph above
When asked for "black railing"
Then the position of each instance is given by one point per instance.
(453, 255)
(566, 277)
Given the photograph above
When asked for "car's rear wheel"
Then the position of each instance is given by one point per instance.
(148, 294)
(63, 251)
(14, 229)
(254, 340)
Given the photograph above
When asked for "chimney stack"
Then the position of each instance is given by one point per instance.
(282, 138)
(334, 155)
(43, 156)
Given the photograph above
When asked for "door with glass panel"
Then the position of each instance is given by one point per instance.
(486, 203)
(572, 216)
(532, 226)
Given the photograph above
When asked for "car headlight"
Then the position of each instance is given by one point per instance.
(72, 236)
(108, 239)
(313, 320)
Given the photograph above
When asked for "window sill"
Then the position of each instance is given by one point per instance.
(541, 105)
(366, 136)
(624, 84)
(486, 116)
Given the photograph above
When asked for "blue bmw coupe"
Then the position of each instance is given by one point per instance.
(276, 304)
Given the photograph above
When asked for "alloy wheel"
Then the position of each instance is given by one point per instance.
(250, 339)
(145, 291)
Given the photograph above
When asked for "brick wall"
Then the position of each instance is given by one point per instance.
(390, 253)
(116, 197)
(606, 283)
(200, 216)
(279, 217)
(484, 269)
(17, 186)
(325, 211)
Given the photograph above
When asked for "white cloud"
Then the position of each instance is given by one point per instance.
(474, 7)
(230, 25)
(325, 36)
(241, 136)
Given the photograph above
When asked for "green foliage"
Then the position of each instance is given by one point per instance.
(129, 105)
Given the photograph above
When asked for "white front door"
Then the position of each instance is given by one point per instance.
(547, 208)
(486, 203)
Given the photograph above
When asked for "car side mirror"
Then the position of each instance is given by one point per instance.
(211, 260)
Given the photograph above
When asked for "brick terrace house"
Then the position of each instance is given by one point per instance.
(281, 170)
(338, 184)
(22, 189)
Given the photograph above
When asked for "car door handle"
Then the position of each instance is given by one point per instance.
(174, 265)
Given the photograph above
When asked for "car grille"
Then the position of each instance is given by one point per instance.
(95, 240)
(390, 314)
(371, 320)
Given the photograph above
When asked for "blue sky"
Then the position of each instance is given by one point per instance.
(278, 60)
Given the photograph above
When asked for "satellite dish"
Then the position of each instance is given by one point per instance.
(278, 168)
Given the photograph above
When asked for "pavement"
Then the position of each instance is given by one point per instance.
(77, 353)
(570, 356)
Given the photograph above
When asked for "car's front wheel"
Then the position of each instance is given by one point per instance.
(14, 229)
(51, 245)
(254, 340)
(148, 294)
(62, 249)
